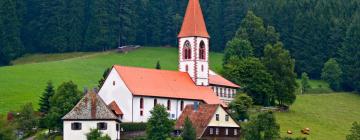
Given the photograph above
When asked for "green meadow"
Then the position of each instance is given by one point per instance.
(26, 81)
(329, 116)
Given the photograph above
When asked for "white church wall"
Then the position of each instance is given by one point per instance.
(149, 105)
(114, 88)
(70, 134)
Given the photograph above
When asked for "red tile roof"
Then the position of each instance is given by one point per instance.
(199, 119)
(164, 83)
(193, 24)
(114, 107)
(219, 80)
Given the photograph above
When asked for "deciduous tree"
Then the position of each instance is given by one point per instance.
(263, 127)
(252, 75)
(64, 99)
(240, 106)
(305, 86)
(159, 126)
(355, 132)
(281, 66)
(237, 48)
(331, 73)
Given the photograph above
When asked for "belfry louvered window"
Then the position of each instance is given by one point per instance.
(187, 50)
(202, 50)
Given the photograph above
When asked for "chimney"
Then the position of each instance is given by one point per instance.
(196, 106)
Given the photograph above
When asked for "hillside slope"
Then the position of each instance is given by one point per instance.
(329, 116)
(20, 84)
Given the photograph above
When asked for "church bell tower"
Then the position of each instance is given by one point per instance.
(194, 45)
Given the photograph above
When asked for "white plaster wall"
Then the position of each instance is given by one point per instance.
(189, 62)
(222, 122)
(222, 91)
(149, 104)
(118, 92)
(85, 128)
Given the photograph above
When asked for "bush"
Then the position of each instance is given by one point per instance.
(131, 127)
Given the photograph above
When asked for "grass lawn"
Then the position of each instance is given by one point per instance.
(36, 58)
(24, 83)
(329, 116)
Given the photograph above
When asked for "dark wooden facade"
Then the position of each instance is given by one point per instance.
(222, 133)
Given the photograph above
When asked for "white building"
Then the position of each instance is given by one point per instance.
(91, 113)
(137, 90)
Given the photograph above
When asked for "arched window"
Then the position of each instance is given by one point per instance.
(155, 102)
(168, 105)
(141, 103)
(187, 50)
(202, 50)
(181, 105)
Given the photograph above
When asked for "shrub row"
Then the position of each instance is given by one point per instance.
(130, 127)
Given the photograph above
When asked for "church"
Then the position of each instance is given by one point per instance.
(137, 90)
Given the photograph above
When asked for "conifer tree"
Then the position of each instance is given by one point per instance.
(349, 56)
(158, 66)
(189, 132)
(104, 76)
(10, 32)
(44, 102)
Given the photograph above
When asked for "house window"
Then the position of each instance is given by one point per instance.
(187, 50)
(181, 105)
(113, 83)
(227, 118)
(141, 103)
(226, 131)
(168, 105)
(202, 50)
(187, 68)
(235, 131)
(117, 127)
(141, 113)
(211, 131)
(202, 68)
(76, 126)
(102, 126)
(155, 102)
(217, 117)
(217, 131)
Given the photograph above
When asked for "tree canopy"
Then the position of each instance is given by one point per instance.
(159, 126)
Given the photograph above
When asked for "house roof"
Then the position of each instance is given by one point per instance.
(90, 107)
(193, 24)
(114, 107)
(215, 79)
(164, 83)
(199, 119)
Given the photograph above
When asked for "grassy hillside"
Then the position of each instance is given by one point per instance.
(25, 83)
(329, 116)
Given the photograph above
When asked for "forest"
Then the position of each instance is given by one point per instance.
(312, 30)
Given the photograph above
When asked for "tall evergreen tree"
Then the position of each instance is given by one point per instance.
(10, 32)
(44, 102)
(64, 99)
(305, 86)
(189, 132)
(349, 56)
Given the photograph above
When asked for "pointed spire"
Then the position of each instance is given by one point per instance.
(193, 24)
